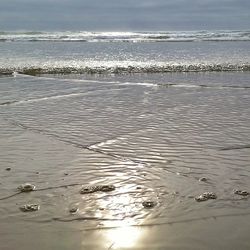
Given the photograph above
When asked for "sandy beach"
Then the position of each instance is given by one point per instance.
(153, 141)
(124, 125)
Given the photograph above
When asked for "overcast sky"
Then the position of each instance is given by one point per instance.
(115, 15)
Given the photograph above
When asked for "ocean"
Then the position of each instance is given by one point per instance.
(127, 52)
(161, 117)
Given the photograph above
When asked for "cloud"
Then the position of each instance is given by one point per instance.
(129, 14)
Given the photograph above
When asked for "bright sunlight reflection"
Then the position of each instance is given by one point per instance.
(123, 237)
(122, 208)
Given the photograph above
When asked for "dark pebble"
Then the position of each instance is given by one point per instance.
(203, 179)
(27, 187)
(107, 188)
(149, 204)
(73, 210)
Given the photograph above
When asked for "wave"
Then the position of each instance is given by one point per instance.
(14, 102)
(121, 68)
(83, 36)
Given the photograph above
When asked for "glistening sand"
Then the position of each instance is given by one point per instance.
(151, 135)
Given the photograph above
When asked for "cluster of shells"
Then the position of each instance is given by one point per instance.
(210, 195)
(93, 189)
(27, 187)
(206, 196)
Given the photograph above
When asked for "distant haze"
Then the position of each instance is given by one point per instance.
(116, 15)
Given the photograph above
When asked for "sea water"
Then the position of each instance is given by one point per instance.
(150, 113)
(85, 52)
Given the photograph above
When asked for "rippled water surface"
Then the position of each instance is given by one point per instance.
(123, 57)
(151, 136)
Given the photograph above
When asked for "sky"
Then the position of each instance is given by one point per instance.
(124, 15)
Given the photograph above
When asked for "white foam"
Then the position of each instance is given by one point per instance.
(67, 36)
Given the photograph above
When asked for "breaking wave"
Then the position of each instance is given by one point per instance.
(83, 36)
(121, 68)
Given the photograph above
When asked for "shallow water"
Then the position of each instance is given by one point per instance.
(153, 136)
(122, 57)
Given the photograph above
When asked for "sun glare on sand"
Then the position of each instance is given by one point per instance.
(123, 237)
(121, 233)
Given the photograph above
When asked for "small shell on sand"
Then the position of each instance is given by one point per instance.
(73, 210)
(27, 187)
(149, 204)
(30, 208)
(203, 179)
(206, 196)
(107, 188)
(241, 192)
(88, 190)
(8, 169)
(92, 189)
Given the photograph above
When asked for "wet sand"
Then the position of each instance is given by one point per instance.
(151, 137)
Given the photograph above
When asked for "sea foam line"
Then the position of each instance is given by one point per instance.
(158, 36)
(125, 67)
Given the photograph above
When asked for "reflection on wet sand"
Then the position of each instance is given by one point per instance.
(121, 210)
(153, 157)
(124, 237)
